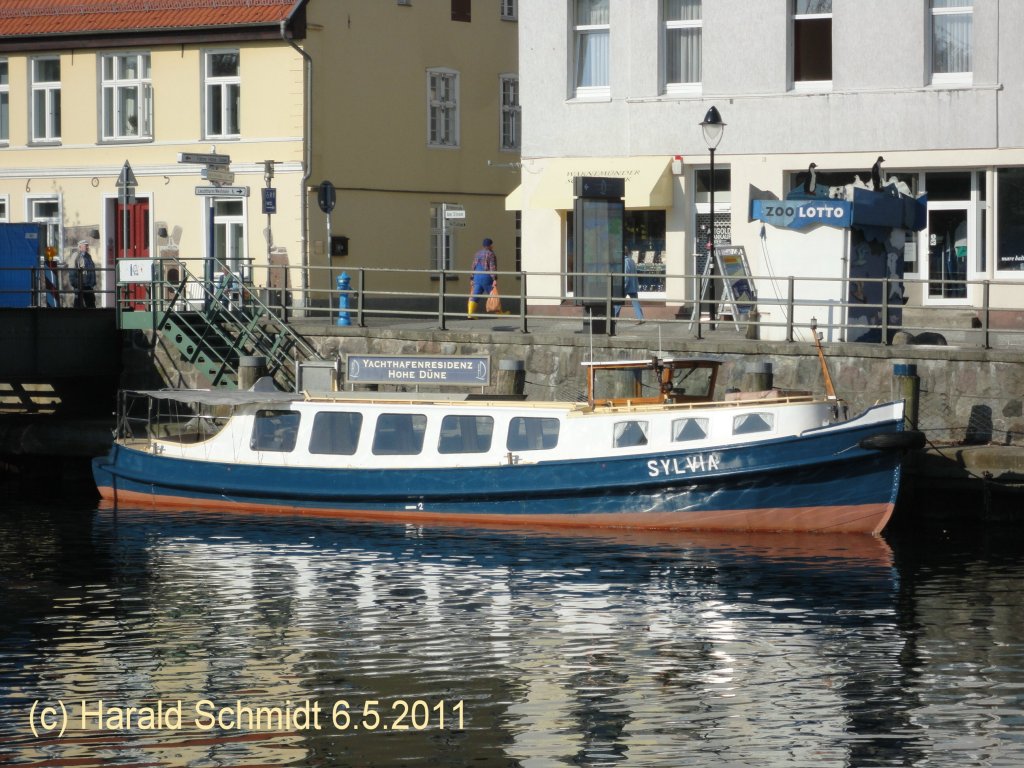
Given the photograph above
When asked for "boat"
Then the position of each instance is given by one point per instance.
(648, 447)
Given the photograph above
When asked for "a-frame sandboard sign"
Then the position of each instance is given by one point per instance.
(737, 285)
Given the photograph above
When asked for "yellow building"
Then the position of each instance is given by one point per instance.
(399, 104)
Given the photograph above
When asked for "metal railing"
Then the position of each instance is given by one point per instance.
(782, 309)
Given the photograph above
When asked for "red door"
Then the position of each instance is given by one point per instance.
(131, 241)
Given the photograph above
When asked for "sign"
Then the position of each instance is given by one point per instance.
(219, 174)
(409, 369)
(194, 159)
(326, 196)
(800, 214)
(135, 270)
(127, 177)
(454, 212)
(223, 191)
(269, 200)
(599, 187)
(738, 285)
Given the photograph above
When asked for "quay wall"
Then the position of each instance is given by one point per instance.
(967, 394)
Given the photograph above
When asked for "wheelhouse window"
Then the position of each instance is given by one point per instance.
(45, 99)
(399, 434)
(223, 94)
(5, 103)
(629, 434)
(750, 423)
(952, 30)
(465, 434)
(683, 32)
(335, 434)
(274, 430)
(510, 112)
(812, 44)
(591, 65)
(688, 430)
(531, 433)
(442, 108)
(127, 96)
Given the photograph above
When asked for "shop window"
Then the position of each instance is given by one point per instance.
(643, 235)
(1010, 219)
(812, 44)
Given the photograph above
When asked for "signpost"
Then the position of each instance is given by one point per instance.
(222, 191)
(218, 174)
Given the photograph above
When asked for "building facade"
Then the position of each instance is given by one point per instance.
(619, 88)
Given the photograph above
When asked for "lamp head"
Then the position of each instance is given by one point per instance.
(713, 128)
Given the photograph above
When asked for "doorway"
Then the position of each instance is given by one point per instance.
(130, 226)
(949, 252)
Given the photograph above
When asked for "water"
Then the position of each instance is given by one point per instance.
(346, 644)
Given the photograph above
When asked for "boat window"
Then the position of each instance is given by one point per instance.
(526, 433)
(465, 434)
(630, 433)
(336, 433)
(399, 434)
(274, 431)
(684, 430)
(749, 423)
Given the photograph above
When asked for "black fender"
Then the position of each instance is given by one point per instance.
(907, 440)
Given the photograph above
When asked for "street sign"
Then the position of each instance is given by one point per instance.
(219, 174)
(127, 177)
(269, 200)
(451, 212)
(222, 191)
(197, 159)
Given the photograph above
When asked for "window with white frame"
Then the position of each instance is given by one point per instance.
(683, 28)
(592, 29)
(442, 108)
(440, 239)
(46, 210)
(4, 208)
(223, 94)
(127, 96)
(510, 112)
(5, 103)
(229, 236)
(508, 10)
(45, 99)
(952, 22)
(812, 44)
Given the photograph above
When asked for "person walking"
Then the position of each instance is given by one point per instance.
(83, 277)
(485, 264)
(631, 288)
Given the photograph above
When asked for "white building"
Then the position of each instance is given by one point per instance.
(619, 88)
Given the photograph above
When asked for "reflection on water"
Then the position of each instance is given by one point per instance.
(317, 642)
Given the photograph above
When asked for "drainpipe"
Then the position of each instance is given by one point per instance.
(307, 162)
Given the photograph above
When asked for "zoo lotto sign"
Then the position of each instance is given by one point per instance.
(800, 214)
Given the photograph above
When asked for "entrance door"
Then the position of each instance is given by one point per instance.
(949, 252)
(131, 241)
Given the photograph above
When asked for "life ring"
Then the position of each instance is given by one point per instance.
(908, 440)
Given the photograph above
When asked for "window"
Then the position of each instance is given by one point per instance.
(508, 10)
(462, 10)
(685, 430)
(683, 27)
(749, 423)
(127, 96)
(465, 434)
(229, 235)
(223, 88)
(1010, 219)
(812, 44)
(3, 208)
(510, 112)
(274, 431)
(46, 210)
(399, 434)
(45, 106)
(335, 434)
(5, 103)
(442, 108)
(440, 239)
(530, 433)
(952, 22)
(629, 434)
(592, 47)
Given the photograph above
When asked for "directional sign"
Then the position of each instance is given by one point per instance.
(219, 174)
(222, 191)
(127, 177)
(454, 213)
(195, 159)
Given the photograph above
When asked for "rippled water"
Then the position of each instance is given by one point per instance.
(536, 649)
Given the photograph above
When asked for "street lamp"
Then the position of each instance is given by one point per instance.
(712, 128)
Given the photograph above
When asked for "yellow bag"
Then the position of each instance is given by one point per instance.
(494, 301)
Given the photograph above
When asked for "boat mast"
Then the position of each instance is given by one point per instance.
(830, 391)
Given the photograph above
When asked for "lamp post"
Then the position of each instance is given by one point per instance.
(712, 128)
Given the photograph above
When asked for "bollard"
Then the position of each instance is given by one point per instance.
(757, 377)
(753, 328)
(511, 380)
(343, 299)
(907, 387)
(251, 368)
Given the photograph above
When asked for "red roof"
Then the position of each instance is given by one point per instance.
(33, 18)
